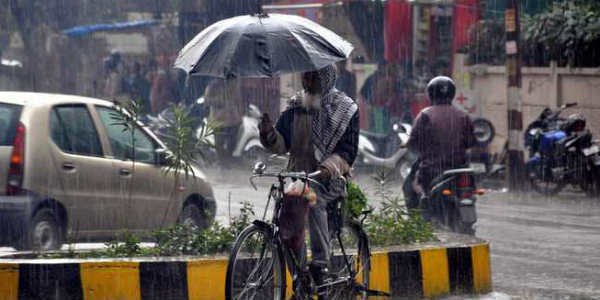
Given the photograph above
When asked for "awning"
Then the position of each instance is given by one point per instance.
(86, 29)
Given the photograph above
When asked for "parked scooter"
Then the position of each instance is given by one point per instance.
(562, 152)
(248, 147)
(386, 151)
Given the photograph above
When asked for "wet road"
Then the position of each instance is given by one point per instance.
(541, 248)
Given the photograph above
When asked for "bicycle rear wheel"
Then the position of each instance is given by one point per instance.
(256, 269)
(354, 243)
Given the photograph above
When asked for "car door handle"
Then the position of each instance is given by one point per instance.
(68, 166)
(124, 172)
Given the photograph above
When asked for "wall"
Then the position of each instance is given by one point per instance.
(484, 88)
(11, 78)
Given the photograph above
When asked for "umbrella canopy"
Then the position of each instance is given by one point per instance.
(262, 46)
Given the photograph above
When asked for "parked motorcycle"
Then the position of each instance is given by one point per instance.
(546, 121)
(485, 165)
(562, 152)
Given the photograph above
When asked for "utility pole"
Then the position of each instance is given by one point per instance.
(516, 167)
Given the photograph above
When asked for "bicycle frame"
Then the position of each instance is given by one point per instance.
(276, 193)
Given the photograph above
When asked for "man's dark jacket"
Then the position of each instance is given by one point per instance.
(441, 136)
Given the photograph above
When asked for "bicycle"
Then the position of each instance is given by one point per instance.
(257, 265)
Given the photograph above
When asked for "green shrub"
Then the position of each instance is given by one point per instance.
(357, 201)
(393, 223)
(567, 32)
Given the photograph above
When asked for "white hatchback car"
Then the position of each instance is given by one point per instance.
(70, 168)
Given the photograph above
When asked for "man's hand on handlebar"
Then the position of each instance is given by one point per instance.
(321, 175)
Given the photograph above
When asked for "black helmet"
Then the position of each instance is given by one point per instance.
(441, 90)
(575, 123)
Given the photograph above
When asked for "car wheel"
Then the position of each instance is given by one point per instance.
(195, 218)
(44, 232)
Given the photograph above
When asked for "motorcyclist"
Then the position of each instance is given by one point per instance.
(320, 131)
(441, 136)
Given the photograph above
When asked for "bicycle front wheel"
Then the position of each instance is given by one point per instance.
(256, 269)
(351, 262)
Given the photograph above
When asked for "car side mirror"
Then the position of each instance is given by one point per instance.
(162, 157)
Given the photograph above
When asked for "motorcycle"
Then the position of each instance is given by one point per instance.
(561, 153)
(451, 200)
(390, 152)
(546, 121)
(480, 160)
(247, 148)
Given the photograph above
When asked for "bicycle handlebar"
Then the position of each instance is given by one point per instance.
(285, 174)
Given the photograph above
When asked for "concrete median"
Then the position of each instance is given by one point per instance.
(427, 272)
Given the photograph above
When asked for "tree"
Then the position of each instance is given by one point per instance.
(567, 32)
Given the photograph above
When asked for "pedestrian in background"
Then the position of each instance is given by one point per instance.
(113, 84)
(226, 105)
(161, 91)
(138, 87)
(346, 80)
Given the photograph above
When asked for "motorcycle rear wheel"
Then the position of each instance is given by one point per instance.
(592, 183)
(546, 186)
(464, 228)
(455, 224)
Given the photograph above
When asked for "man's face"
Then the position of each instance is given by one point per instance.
(312, 83)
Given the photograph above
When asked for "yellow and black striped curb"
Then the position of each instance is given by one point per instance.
(420, 273)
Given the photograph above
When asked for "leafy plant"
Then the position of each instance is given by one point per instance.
(393, 223)
(174, 241)
(184, 145)
(128, 117)
(127, 244)
(567, 32)
(486, 43)
(357, 201)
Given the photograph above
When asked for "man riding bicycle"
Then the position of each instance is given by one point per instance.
(320, 130)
